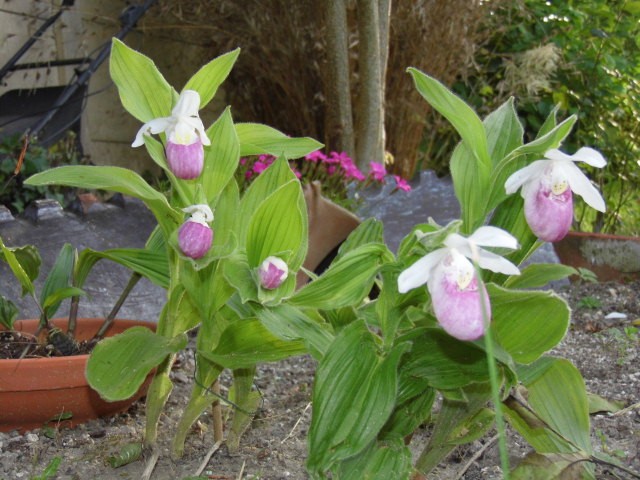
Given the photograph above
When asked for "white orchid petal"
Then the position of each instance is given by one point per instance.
(188, 104)
(489, 236)
(524, 175)
(555, 154)
(589, 156)
(496, 263)
(154, 126)
(419, 273)
(582, 186)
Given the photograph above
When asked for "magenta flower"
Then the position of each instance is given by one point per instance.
(185, 136)
(547, 187)
(350, 169)
(452, 283)
(402, 184)
(378, 171)
(315, 157)
(272, 272)
(195, 236)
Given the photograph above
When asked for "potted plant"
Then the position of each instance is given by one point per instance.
(43, 361)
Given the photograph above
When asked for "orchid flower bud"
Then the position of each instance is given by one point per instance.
(272, 272)
(185, 136)
(195, 235)
(455, 292)
(547, 189)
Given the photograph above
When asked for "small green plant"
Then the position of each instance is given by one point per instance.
(589, 302)
(14, 194)
(50, 471)
(623, 341)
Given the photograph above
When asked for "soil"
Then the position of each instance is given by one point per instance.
(607, 351)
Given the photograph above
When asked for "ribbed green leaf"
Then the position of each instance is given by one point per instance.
(267, 182)
(207, 80)
(446, 363)
(118, 365)
(221, 157)
(538, 275)
(8, 313)
(527, 323)
(390, 459)
(60, 277)
(564, 466)
(369, 231)
(143, 91)
(115, 179)
(278, 225)
(29, 259)
(347, 281)
(246, 343)
(256, 139)
(354, 395)
(51, 302)
(17, 269)
(290, 323)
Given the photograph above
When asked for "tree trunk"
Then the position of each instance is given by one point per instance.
(339, 117)
(369, 146)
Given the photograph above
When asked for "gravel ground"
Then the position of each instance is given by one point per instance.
(275, 447)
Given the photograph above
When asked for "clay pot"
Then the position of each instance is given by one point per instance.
(610, 257)
(34, 391)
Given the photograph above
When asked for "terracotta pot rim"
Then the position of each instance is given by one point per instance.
(66, 360)
(606, 236)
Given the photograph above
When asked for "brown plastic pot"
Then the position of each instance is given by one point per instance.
(610, 257)
(36, 391)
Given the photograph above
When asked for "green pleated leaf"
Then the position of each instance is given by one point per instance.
(538, 275)
(118, 365)
(29, 259)
(267, 182)
(504, 131)
(59, 278)
(390, 459)
(456, 416)
(221, 157)
(409, 415)
(143, 91)
(256, 139)
(527, 323)
(446, 363)
(289, 323)
(207, 80)
(279, 225)
(115, 179)
(51, 302)
(8, 313)
(16, 267)
(347, 281)
(598, 404)
(246, 343)
(369, 231)
(353, 397)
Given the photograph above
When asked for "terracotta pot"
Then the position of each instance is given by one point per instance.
(610, 257)
(34, 391)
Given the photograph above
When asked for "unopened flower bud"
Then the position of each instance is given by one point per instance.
(195, 236)
(185, 161)
(272, 272)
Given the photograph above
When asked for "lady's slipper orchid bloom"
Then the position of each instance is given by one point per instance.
(185, 136)
(452, 283)
(547, 187)
(195, 235)
(272, 272)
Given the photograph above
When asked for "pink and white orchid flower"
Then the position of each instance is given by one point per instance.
(452, 283)
(195, 235)
(547, 187)
(273, 271)
(185, 136)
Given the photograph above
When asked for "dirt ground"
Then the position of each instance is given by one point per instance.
(275, 447)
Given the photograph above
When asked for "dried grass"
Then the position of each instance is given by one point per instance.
(278, 78)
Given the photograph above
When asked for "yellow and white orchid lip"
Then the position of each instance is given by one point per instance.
(183, 127)
(450, 278)
(547, 186)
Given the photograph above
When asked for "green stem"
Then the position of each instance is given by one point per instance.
(157, 396)
(493, 377)
(133, 280)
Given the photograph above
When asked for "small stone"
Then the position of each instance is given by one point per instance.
(31, 437)
(43, 209)
(5, 214)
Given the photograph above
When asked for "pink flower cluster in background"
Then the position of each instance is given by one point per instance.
(335, 171)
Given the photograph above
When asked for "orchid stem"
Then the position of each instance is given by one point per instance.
(133, 280)
(493, 377)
